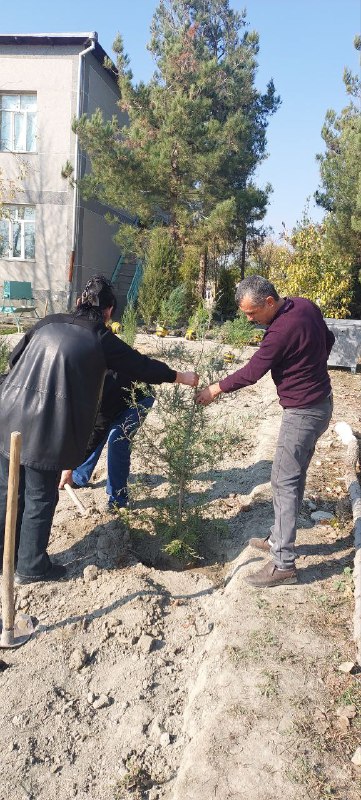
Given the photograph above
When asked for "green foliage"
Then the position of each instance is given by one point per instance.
(188, 270)
(178, 442)
(340, 170)
(173, 310)
(226, 305)
(160, 275)
(4, 356)
(129, 324)
(313, 268)
(135, 782)
(265, 256)
(239, 332)
(7, 330)
(188, 143)
(200, 320)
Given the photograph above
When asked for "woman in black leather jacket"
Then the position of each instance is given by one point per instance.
(51, 396)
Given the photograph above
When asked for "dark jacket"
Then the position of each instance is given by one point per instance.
(52, 391)
(295, 348)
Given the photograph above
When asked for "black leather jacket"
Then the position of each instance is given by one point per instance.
(51, 393)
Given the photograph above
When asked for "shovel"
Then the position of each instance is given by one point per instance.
(12, 635)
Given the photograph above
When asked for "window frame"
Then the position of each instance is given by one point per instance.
(24, 112)
(22, 222)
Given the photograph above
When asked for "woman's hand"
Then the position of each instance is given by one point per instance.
(187, 378)
(66, 477)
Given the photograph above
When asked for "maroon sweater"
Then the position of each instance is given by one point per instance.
(295, 348)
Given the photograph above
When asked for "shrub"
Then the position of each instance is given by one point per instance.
(226, 305)
(160, 275)
(178, 442)
(4, 356)
(239, 332)
(200, 320)
(129, 324)
(173, 310)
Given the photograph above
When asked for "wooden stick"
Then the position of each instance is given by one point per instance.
(8, 610)
(75, 499)
(352, 454)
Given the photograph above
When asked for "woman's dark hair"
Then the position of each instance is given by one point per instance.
(97, 295)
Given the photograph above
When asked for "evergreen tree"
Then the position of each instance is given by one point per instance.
(196, 132)
(340, 169)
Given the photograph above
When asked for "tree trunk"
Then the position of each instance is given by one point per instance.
(201, 283)
(243, 258)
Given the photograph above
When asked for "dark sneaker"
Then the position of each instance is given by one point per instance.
(270, 576)
(55, 573)
(261, 544)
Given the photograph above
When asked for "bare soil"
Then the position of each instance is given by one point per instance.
(151, 683)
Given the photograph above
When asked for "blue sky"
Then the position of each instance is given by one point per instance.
(304, 47)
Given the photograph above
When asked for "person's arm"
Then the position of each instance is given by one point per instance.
(123, 359)
(270, 352)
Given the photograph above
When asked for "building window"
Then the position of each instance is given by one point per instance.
(18, 123)
(17, 232)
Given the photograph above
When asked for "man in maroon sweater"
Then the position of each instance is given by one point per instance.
(295, 348)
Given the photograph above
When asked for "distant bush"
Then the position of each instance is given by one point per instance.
(226, 305)
(200, 320)
(4, 356)
(129, 324)
(239, 332)
(160, 276)
(174, 308)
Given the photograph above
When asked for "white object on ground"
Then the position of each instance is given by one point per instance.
(352, 456)
(75, 499)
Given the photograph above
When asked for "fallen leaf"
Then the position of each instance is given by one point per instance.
(346, 711)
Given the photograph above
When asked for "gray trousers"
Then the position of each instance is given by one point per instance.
(300, 429)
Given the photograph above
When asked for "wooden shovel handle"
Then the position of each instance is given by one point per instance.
(8, 613)
(75, 499)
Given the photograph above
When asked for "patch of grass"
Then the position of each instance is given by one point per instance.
(270, 686)
(351, 697)
(254, 648)
(345, 584)
(4, 355)
(237, 710)
(313, 778)
(135, 783)
(261, 602)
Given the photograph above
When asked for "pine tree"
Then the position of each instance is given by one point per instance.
(340, 169)
(196, 132)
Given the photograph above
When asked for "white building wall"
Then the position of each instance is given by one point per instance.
(50, 73)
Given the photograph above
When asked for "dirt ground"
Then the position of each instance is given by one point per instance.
(147, 683)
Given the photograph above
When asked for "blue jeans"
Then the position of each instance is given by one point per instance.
(300, 429)
(119, 439)
(37, 499)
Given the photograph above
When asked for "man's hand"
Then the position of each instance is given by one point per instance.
(66, 477)
(206, 396)
(187, 378)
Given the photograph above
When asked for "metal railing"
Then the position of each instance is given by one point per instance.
(133, 290)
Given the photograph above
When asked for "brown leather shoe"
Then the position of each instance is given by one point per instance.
(260, 544)
(270, 576)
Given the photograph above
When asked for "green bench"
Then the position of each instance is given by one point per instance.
(18, 300)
